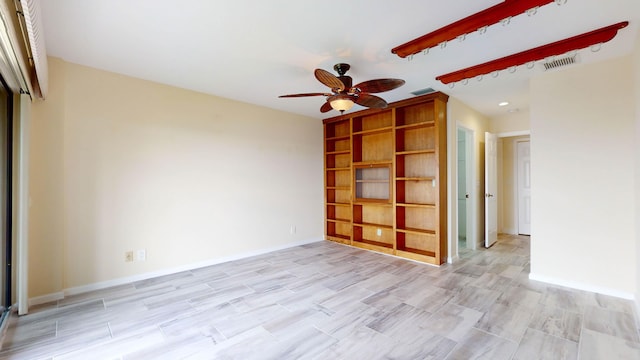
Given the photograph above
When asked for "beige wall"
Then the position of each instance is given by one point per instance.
(636, 72)
(458, 113)
(122, 164)
(510, 122)
(582, 146)
(46, 187)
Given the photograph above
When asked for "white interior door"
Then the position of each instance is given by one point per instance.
(524, 187)
(491, 189)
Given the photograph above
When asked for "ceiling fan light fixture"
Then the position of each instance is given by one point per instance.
(341, 102)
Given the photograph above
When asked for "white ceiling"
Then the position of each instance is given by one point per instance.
(255, 50)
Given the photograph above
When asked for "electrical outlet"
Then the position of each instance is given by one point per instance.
(292, 230)
(141, 255)
(379, 232)
(128, 256)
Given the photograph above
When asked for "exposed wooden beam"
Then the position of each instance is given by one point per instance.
(471, 23)
(582, 41)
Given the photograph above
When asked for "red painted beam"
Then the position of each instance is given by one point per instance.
(471, 23)
(598, 36)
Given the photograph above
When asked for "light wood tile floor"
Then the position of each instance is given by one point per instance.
(328, 301)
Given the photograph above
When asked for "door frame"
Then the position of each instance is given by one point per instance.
(515, 168)
(491, 188)
(517, 178)
(471, 171)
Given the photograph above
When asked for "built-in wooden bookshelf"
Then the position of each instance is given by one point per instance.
(337, 164)
(385, 179)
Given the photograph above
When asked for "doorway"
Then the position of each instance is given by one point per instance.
(465, 181)
(514, 185)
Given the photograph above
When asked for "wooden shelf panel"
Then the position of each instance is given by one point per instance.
(426, 178)
(379, 226)
(365, 164)
(388, 129)
(416, 231)
(416, 221)
(418, 251)
(416, 125)
(422, 164)
(428, 257)
(416, 192)
(415, 205)
(339, 169)
(338, 204)
(373, 202)
(338, 196)
(345, 221)
(415, 114)
(374, 146)
(374, 245)
(373, 181)
(338, 187)
(337, 160)
(337, 138)
(342, 230)
(415, 138)
(338, 152)
(379, 119)
(339, 239)
(415, 152)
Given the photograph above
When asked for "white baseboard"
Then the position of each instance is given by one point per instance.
(129, 279)
(637, 302)
(509, 231)
(43, 299)
(583, 286)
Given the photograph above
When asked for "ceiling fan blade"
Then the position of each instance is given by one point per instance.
(329, 80)
(371, 101)
(379, 85)
(326, 107)
(304, 94)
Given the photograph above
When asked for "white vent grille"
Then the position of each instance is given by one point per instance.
(565, 61)
(33, 21)
(423, 91)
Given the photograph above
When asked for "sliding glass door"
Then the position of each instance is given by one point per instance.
(6, 154)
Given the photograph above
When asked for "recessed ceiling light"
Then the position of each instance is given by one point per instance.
(504, 103)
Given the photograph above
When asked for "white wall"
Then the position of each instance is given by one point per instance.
(122, 164)
(582, 146)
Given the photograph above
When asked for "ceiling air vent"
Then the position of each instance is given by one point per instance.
(423, 91)
(559, 62)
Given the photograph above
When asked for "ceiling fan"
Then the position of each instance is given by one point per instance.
(343, 94)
